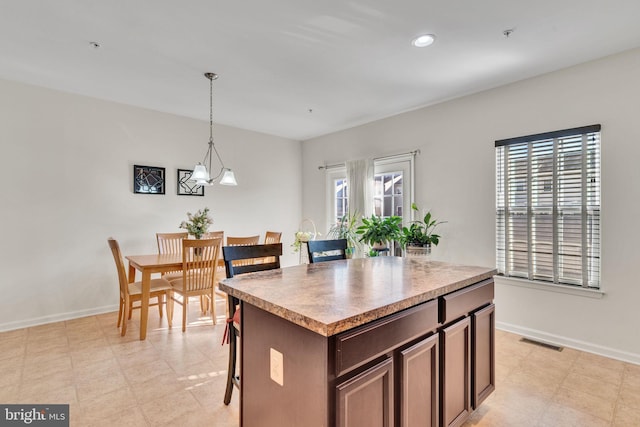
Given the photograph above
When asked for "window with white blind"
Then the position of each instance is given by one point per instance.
(548, 207)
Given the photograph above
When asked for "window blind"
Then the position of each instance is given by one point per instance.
(548, 207)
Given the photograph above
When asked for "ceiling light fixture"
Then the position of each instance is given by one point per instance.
(424, 40)
(201, 174)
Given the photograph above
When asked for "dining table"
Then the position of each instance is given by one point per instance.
(148, 265)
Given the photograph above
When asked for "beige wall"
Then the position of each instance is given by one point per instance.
(455, 178)
(66, 174)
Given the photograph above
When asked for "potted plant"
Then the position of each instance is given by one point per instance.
(377, 231)
(417, 238)
(346, 228)
(198, 223)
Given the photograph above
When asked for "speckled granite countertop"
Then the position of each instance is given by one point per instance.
(332, 297)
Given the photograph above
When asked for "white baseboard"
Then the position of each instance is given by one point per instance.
(569, 342)
(10, 326)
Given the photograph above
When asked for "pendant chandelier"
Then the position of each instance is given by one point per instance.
(202, 171)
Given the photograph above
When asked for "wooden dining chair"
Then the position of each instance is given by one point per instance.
(326, 250)
(247, 255)
(269, 238)
(199, 268)
(132, 292)
(204, 301)
(272, 237)
(218, 234)
(170, 243)
(242, 241)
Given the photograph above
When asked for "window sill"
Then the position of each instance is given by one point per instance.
(549, 287)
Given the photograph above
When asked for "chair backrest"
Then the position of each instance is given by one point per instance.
(170, 243)
(272, 237)
(269, 238)
(199, 261)
(326, 250)
(242, 241)
(214, 234)
(249, 253)
(122, 273)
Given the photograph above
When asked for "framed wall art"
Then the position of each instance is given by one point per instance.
(148, 180)
(186, 187)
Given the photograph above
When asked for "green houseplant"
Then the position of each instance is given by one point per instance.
(377, 232)
(418, 237)
(346, 228)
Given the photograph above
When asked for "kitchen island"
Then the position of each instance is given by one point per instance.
(377, 341)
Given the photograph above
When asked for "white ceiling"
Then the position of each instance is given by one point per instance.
(348, 61)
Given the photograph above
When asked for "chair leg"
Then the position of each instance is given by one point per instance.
(231, 369)
(127, 307)
(160, 302)
(170, 308)
(212, 301)
(120, 312)
(185, 302)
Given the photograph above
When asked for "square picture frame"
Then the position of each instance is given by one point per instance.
(186, 187)
(148, 180)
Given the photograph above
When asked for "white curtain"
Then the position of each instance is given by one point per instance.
(360, 175)
(360, 185)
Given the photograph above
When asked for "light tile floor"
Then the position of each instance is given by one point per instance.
(177, 379)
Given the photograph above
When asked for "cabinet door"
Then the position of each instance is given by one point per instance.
(419, 384)
(483, 353)
(366, 400)
(455, 373)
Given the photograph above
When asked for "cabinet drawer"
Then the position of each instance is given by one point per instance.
(361, 345)
(459, 303)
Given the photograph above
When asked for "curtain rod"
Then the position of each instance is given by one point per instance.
(391, 157)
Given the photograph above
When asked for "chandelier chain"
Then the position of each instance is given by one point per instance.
(211, 109)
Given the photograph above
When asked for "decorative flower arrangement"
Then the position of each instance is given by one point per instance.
(303, 236)
(197, 223)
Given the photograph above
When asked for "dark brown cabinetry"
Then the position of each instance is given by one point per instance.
(467, 355)
(366, 400)
(483, 352)
(456, 373)
(419, 373)
(428, 365)
(441, 353)
(377, 397)
(402, 388)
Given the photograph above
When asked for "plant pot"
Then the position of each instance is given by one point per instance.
(379, 245)
(417, 251)
(349, 252)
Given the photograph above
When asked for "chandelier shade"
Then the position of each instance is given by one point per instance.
(202, 171)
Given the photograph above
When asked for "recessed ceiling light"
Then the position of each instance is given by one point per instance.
(424, 40)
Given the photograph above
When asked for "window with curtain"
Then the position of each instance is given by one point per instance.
(390, 193)
(548, 207)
